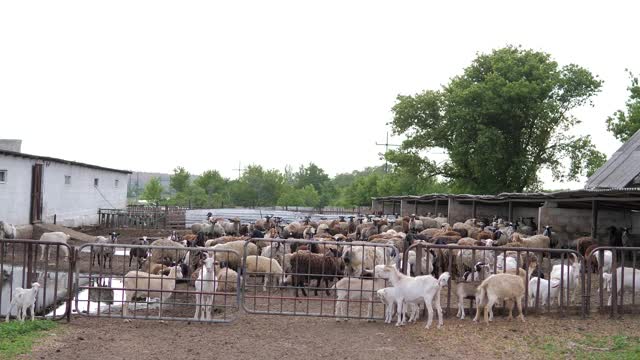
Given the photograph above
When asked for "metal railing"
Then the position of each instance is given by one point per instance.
(165, 283)
(340, 286)
(617, 278)
(49, 263)
(539, 294)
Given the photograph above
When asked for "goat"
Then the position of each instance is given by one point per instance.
(567, 276)
(497, 287)
(105, 252)
(411, 289)
(23, 299)
(467, 289)
(206, 284)
(56, 236)
(139, 253)
(629, 281)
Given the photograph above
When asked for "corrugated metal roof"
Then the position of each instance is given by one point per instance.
(620, 169)
(46, 158)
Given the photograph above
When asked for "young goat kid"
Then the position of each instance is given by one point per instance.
(206, 285)
(23, 299)
(497, 287)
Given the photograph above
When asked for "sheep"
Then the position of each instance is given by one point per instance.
(206, 284)
(411, 289)
(497, 287)
(139, 253)
(547, 291)
(7, 231)
(24, 299)
(160, 256)
(387, 296)
(351, 289)
(468, 257)
(153, 286)
(358, 256)
(57, 236)
(307, 265)
(232, 227)
(227, 280)
(266, 267)
(233, 257)
(629, 282)
(534, 242)
(104, 252)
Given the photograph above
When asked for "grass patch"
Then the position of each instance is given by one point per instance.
(594, 347)
(17, 338)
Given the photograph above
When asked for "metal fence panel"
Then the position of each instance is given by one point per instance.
(566, 289)
(617, 276)
(317, 267)
(50, 264)
(105, 291)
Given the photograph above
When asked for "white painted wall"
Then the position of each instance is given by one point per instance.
(15, 193)
(75, 204)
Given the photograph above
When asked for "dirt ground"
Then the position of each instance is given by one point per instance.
(277, 337)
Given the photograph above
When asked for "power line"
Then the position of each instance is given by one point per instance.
(386, 148)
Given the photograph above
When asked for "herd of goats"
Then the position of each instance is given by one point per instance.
(362, 258)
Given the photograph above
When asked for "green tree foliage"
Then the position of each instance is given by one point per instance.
(180, 180)
(153, 191)
(624, 125)
(258, 187)
(501, 121)
(311, 175)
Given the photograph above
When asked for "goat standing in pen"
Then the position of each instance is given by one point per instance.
(23, 299)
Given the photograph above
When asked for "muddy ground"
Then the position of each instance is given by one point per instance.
(285, 337)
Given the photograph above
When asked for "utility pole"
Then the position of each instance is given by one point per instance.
(386, 148)
(240, 169)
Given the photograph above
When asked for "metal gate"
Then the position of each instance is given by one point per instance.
(617, 276)
(566, 289)
(50, 264)
(334, 279)
(110, 284)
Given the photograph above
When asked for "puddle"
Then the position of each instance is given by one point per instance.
(53, 288)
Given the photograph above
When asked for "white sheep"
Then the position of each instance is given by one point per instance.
(227, 279)
(412, 289)
(150, 285)
(233, 258)
(206, 284)
(267, 267)
(7, 231)
(360, 256)
(56, 236)
(23, 299)
(499, 287)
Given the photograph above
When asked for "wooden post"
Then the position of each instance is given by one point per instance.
(435, 209)
(510, 210)
(166, 214)
(415, 210)
(473, 209)
(383, 206)
(594, 219)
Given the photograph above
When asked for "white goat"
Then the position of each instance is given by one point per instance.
(547, 291)
(388, 297)
(206, 284)
(607, 259)
(57, 236)
(23, 299)
(349, 288)
(500, 287)
(628, 281)
(411, 289)
(569, 278)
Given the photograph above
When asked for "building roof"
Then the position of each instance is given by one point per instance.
(620, 170)
(46, 158)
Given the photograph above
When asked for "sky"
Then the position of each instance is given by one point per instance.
(151, 85)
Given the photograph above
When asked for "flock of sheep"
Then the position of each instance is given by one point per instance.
(358, 258)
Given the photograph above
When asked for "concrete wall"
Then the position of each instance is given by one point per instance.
(75, 204)
(570, 224)
(15, 193)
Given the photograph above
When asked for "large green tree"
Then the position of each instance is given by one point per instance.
(502, 120)
(624, 125)
(311, 175)
(180, 180)
(153, 191)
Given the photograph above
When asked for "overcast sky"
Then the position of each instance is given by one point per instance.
(150, 85)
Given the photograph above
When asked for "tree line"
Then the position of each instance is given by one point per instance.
(502, 120)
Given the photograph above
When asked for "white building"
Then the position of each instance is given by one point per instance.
(39, 188)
